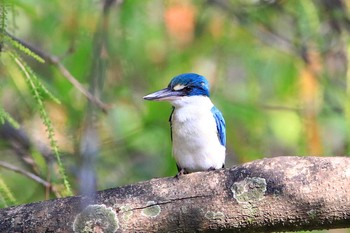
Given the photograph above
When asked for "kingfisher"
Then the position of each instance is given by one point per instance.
(198, 130)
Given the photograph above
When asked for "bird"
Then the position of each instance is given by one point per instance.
(198, 129)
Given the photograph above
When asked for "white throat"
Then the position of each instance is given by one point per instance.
(192, 102)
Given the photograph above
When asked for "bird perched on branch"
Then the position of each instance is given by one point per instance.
(197, 126)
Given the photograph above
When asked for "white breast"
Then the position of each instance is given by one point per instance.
(196, 146)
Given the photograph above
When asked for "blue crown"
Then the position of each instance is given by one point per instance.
(190, 84)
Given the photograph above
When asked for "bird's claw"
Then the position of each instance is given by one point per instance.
(180, 173)
(211, 169)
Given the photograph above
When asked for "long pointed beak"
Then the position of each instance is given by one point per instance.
(164, 94)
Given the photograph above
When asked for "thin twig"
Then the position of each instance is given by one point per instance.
(54, 60)
(95, 100)
(266, 34)
(32, 176)
(25, 173)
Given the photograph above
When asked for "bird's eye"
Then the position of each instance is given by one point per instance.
(178, 87)
(187, 88)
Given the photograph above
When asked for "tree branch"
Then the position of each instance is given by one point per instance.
(54, 60)
(25, 173)
(275, 194)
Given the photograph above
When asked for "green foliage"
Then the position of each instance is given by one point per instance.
(309, 23)
(35, 85)
(4, 116)
(23, 49)
(6, 196)
(3, 16)
(32, 82)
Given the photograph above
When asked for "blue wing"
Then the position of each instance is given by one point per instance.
(220, 125)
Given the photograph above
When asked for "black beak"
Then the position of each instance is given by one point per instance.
(164, 94)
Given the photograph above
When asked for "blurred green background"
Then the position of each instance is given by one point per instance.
(278, 72)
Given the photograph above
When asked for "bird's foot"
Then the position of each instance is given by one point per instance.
(213, 168)
(180, 173)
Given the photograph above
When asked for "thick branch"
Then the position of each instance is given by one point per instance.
(275, 194)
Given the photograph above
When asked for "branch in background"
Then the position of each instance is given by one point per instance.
(89, 145)
(259, 29)
(18, 141)
(269, 195)
(31, 176)
(93, 99)
(25, 173)
(54, 60)
(336, 12)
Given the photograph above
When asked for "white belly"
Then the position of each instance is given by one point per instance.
(196, 146)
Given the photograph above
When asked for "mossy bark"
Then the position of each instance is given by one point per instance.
(274, 194)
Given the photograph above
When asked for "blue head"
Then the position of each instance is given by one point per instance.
(189, 84)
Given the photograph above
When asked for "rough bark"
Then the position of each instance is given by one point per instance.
(275, 194)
